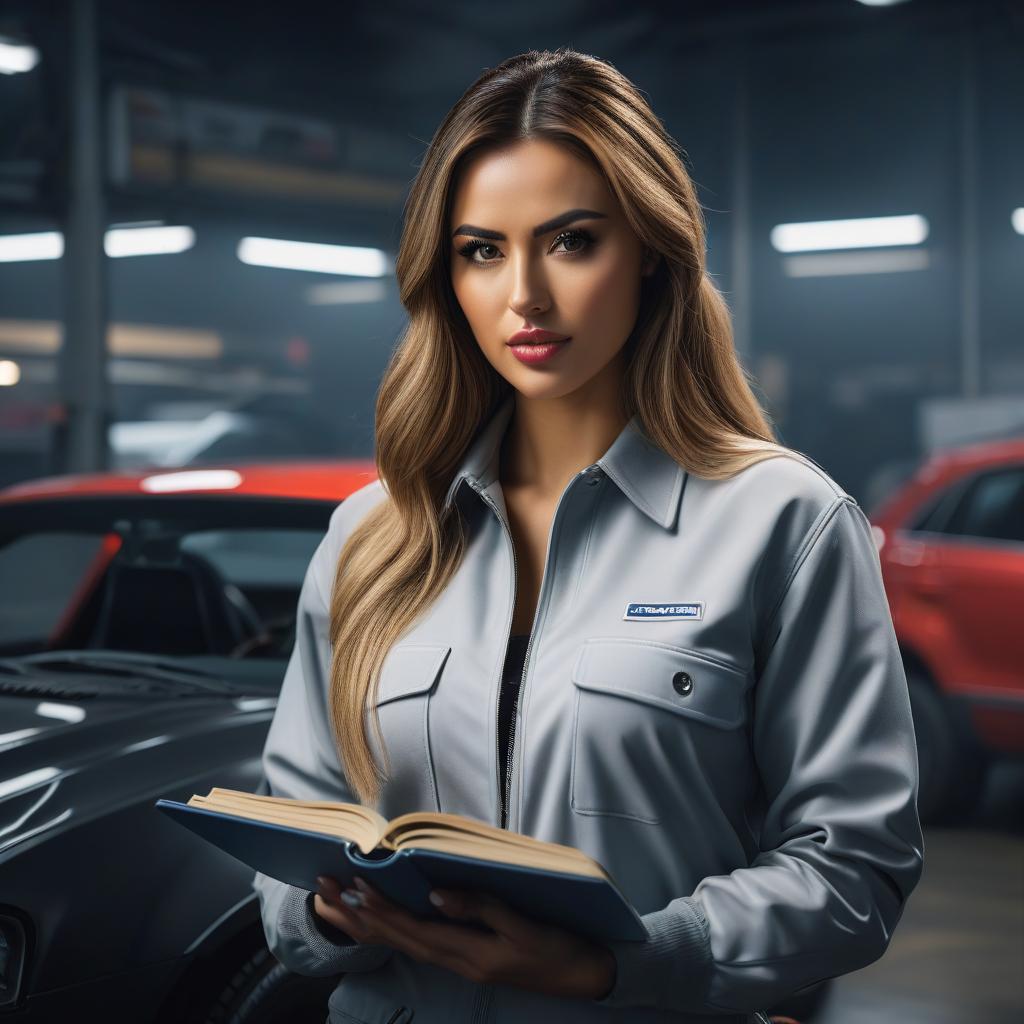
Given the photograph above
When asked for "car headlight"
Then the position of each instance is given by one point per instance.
(12, 959)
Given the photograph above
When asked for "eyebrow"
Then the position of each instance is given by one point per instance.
(541, 229)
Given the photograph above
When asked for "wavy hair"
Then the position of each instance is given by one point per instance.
(683, 380)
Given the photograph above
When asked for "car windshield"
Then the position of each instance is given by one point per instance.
(174, 584)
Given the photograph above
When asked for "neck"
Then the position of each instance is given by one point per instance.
(549, 440)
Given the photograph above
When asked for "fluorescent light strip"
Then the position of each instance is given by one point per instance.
(141, 241)
(835, 264)
(858, 233)
(16, 58)
(40, 245)
(148, 241)
(318, 257)
(10, 373)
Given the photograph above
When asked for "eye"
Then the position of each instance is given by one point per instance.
(576, 235)
(471, 247)
(573, 237)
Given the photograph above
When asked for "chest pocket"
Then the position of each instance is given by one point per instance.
(650, 721)
(408, 676)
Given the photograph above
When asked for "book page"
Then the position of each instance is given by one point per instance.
(379, 822)
(458, 834)
(459, 823)
(467, 845)
(429, 830)
(348, 821)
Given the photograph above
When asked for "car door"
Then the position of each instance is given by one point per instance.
(972, 573)
(981, 566)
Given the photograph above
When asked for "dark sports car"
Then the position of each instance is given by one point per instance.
(145, 624)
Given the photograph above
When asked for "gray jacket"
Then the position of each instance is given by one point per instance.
(713, 707)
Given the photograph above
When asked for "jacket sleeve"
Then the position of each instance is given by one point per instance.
(841, 846)
(300, 761)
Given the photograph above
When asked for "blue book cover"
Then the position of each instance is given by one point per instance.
(590, 906)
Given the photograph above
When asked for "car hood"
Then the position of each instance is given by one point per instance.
(74, 759)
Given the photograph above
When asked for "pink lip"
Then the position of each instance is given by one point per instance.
(527, 353)
(534, 335)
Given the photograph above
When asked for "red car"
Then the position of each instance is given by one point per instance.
(951, 543)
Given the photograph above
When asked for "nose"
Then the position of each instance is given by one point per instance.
(529, 290)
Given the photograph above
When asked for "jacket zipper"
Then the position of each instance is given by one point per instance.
(511, 745)
(482, 1011)
(508, 633)
(505, 785)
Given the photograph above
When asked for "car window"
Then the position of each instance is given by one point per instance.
(934, 514)
(926, 516)
(168, 591)
(39, 574)
(992, 507)
(263, 558)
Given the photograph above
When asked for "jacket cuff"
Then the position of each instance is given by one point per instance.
(671, 968)
(332, 950)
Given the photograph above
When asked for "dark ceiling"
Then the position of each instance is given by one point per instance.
(393, 67)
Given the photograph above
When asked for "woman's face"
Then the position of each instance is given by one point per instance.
(513, 268)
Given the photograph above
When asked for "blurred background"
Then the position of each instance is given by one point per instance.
(199, 210)
(222, 125)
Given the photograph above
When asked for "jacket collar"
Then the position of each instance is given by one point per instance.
(648, 476)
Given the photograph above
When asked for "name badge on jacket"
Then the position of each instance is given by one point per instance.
(639, 612)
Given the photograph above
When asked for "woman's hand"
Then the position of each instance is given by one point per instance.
(515, 950)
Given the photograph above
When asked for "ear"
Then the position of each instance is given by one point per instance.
(650, 262)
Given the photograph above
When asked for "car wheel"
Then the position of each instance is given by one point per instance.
(952, 770)
(264, 991)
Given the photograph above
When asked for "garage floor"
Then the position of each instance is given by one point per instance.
(958, 953)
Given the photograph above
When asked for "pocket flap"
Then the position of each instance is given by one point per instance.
(673, 678)
(410, 669)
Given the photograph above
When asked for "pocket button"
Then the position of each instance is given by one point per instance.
(683, 683)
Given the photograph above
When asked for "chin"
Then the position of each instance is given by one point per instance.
(553, 385)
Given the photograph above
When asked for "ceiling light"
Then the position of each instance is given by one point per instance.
(858, 233)
(118, 241)
(16, 57)
(313, 256)
(40, 245)
(148, 241)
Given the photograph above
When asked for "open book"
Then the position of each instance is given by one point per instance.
(296, 840)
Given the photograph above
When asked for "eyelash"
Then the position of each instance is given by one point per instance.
(572, 234)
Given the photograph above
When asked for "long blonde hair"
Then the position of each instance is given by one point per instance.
(684, 381)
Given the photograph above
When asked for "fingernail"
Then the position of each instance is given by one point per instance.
(361, 885)
(353, 899)
(436, 899)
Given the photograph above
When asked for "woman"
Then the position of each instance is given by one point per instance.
(602, 606)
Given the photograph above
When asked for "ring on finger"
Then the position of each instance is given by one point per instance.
(353, 899)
